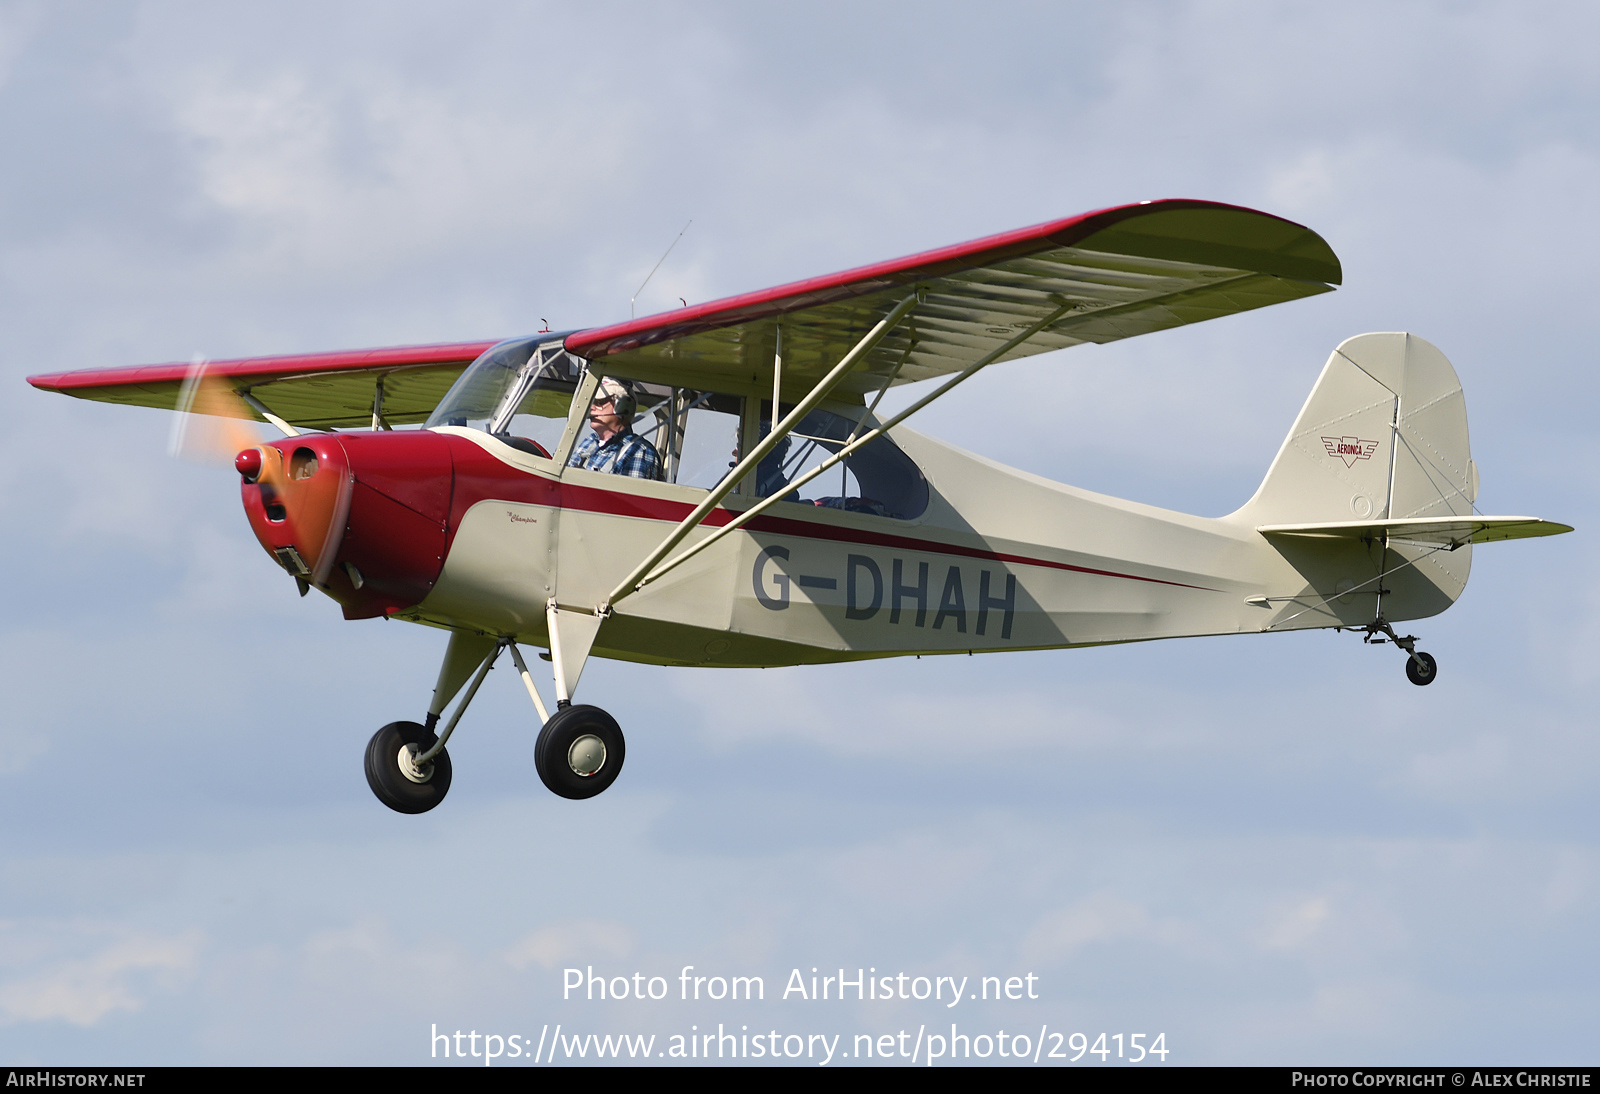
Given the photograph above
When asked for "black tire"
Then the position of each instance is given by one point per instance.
(383, 769)
(554, 754)
(1424, 674)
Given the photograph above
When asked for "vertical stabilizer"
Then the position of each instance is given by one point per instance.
(1383, 436)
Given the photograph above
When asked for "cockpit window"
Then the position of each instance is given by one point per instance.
(696, 432)
(696, 437)
(877, 478)
(520, 391)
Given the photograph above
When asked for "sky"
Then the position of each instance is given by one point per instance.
(1266, 850)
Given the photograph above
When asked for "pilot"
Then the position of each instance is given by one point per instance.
(613, 446)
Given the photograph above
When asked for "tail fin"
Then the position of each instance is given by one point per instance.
(1382, 437)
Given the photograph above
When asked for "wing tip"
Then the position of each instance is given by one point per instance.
(1226, 234)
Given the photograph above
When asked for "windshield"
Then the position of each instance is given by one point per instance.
(520, 391)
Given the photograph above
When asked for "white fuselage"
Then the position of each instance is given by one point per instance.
(1000, 559)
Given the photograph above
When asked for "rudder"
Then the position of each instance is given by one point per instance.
(1383, 436)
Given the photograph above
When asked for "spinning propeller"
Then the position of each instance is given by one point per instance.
(214, 422)
(307, 512)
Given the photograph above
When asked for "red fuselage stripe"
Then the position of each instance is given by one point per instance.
(589, 499)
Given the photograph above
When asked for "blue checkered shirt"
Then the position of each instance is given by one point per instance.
(623, 454)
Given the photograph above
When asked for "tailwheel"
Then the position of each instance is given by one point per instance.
(395, 777)
(1421, 669)
(579, 751)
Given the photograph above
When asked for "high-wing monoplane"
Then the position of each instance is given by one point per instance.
(835, 533)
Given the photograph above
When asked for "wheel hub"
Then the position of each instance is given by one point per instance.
(407, 762)
(587, 755)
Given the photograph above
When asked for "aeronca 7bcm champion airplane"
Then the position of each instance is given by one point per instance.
(573, 491)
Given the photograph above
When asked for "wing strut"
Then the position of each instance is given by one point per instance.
(759, 452)
(866, 438)
(777, 371)
(378, 420)
(261, 408)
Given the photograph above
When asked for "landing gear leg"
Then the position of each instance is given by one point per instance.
(580, 749)
(1421, 668)
(527, 682)
(407, 765)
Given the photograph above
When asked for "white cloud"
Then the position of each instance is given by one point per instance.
(19, 22)
(84, 990)
(938, 721)
(579, 941)
(372, 171)
(1293, 926)
(1102, 917)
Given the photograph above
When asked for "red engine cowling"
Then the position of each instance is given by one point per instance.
(363, 516)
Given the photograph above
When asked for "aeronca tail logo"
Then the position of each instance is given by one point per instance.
(1349, 449)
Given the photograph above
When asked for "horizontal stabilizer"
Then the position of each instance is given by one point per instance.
(1450, 531)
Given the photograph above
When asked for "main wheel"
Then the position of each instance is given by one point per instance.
(397, 781)
(1424, 673)
(579, 752)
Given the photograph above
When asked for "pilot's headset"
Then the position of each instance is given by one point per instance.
(623, 403)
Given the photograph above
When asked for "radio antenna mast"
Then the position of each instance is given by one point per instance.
(656, 267)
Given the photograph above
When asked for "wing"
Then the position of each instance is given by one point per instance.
(1121, 272)
(1124, 271)
(317, 391)
(1445, 531)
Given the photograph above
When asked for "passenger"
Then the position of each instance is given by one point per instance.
(770, 476)
(613, 446)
